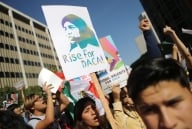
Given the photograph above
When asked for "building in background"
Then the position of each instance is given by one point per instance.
(175, 13)
(26, 47)
(141, 44)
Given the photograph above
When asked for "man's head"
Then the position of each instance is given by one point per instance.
(160, 90)
(35, 102)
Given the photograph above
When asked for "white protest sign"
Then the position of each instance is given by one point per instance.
(187, 31)
(75, 40)
(47, 76)
(19, 85)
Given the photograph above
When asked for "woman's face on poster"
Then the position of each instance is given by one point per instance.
(71, 31)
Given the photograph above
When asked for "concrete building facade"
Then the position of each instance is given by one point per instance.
(25, 47)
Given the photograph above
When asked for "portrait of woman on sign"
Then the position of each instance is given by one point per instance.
(78, 33)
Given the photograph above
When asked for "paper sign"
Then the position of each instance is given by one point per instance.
(19, 85)
(47, 76)
(75, 40)
(117, 72)
(187, 31)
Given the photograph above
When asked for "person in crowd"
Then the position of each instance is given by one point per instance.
(160, 89)
(183, 55)
(124, 110)
(11, 120)
(66, 118)
(180, 45)
(86, 115)
(15, 108)
(44, 111)
(77, 32)
(153, 50)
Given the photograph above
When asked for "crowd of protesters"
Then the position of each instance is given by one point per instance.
(157, 96)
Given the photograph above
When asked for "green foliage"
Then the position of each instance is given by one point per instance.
(33, 89)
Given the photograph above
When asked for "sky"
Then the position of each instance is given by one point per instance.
(117, 18)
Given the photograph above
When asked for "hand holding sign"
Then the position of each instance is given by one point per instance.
(47, 76)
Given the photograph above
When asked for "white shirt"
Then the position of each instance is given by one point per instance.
(34, 120)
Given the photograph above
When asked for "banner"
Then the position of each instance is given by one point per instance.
(75, 40)
(19, 85)
(11, 99)
(186, 31)
(117, 72)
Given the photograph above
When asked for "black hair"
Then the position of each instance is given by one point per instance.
(78, 110)
(81, 105)
(153, 71)
(10, 120)
(12, 107)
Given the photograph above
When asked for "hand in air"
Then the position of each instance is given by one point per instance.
(145, 24)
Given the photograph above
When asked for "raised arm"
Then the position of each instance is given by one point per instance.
(49, 114)
(181, 46)
(153, 50)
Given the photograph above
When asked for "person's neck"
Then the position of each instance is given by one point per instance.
(38, 113)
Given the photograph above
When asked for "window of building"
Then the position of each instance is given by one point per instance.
(12, 74)
(10, 24)
(1, 59)
(6, 46)
(1, 74)
(6, 34)
(12, 48)
(21, 75)
(6, 23)
(1, 21)
(1, 33)
(1, 45)
(6, 60)
(11, 36)
(19, 28)
(7, 74)
(17, 75)
(17, 61)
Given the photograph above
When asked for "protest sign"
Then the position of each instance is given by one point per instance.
(76, 44)
(186, 31)
(11, 99)
(46, 75)
(75, 40)
(117, 72)
(19, 85)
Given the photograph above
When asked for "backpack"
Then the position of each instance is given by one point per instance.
(54, 125)
(62, 121)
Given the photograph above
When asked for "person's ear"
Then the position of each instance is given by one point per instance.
(32, 108)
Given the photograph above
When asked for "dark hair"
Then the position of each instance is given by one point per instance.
(78, 110)
(10, 120)
(80, 106)
(12, 107)
(153, 71)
